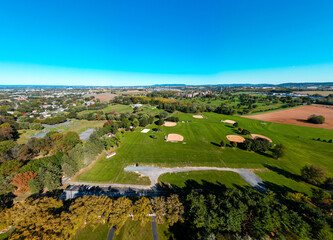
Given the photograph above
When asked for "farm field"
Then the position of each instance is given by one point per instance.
(322, 93)
(202, 137)
(78, 126)
(298, 116)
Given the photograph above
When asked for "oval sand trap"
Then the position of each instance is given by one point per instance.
(229, 121)
(172, 137)
(197, 116)
(170, 124)
(235, 138)
(254, 136)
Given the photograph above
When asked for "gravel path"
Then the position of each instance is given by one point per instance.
(154, 228)
(111, 233)
(154, 173)
(86, 134)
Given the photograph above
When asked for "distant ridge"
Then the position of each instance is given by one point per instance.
(284, 85)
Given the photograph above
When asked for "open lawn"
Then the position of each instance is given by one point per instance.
(132, 230)
(201, 138)
(228, 179)
(100, 232)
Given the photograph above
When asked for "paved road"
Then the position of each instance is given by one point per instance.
(154, 227)
(111, 233)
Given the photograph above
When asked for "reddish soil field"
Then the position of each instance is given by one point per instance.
(298, 116)
(104, 97)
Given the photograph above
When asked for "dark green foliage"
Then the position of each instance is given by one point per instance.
(233, 144)
(278, 151)
(35, 185)
(54, 120)
(260, 145)
(316, 119)
(222, 144)
(10, 167)
(247, 144)
(172, 119)
(35, 164)
(236, 124)
(245, 132)
(5, 186)
(159, 122)
(313, 174)
(49, 177)
(241, 211)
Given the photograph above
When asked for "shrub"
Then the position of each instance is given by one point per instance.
(235, 124)
(260, 145)
(278, 151)
(313, 174)
(222, 143)
(316, 119)
(159, 122)
(233, 144)
(245, 132)
(247, 144)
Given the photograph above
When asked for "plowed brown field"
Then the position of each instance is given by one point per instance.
(298, 116)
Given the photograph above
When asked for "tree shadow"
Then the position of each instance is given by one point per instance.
(302, 120)
(284, 173)
(215, 144)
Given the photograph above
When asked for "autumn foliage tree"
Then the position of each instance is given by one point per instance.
(21, 181)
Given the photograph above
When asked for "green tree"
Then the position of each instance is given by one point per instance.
(313, 174)
(278, 151)
(141, 209)
(35, 185)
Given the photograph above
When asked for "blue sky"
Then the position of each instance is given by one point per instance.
(117, 42)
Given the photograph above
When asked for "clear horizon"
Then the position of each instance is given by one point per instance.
(147, 43)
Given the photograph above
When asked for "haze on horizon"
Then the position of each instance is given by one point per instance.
(160, 42)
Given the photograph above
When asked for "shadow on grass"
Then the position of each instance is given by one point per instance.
(215, 144)
(283, 172)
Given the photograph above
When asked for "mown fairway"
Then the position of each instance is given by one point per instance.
(202, 136)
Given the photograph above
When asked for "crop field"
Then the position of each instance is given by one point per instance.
(200, 148)
(298, 116)
(322, 93)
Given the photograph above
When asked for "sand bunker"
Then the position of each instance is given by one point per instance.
(197, 116)
(254, 136)
(174, 137)
(229, 121)
(235, 138)
(170, 124)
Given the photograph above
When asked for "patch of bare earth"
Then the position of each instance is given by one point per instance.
(197, 116)
(170, 124)
(175, 137)
(104, 97)
(298, 116)
(235, 138)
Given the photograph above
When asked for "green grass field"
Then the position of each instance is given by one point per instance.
(202, 136)
(228, 179)
(100, 232)
(132, 230)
